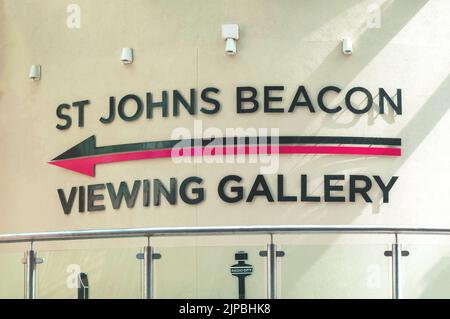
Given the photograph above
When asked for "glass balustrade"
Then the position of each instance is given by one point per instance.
(12, 271)
(426, 270)
(314, 269)
(104, 273)
(229, 268)
(351, 263)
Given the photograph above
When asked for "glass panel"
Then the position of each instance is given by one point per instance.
(425, 273)
(112, 273)
(11, 275)
(335, 271)
(203, 271)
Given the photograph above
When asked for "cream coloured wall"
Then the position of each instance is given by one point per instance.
(177, 45)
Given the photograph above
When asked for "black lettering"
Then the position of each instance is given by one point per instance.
(238, 190)
(112, 111)
(123, 192)
(164, 104)
(250, 99)
(396, 107)
(146, 191)
(301, 91)
(321, 102)
(348, 101)
(67, 204)
(255, 191)
(92, 197)
(331, 188)
(386, 188)
(123, 102)
(304, 191)
(80, 105)
(206, 98)
(200, 192)
(268, 99)
(159, 188)
(81, 199)
(65, 117)
(281, 197)
(189, 106)
(360, 190)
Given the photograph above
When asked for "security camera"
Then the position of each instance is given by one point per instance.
(127, 56)
(347, 47)
(230, 46)
(35, 72)
(230, 33)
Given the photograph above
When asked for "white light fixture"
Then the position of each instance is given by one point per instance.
(127, 56)
(230, 33)
(347, 47)
(35, 72)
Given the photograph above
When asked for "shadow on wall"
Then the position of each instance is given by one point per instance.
(416, 130)
(279, 10)
(392, 23)
(394, 16)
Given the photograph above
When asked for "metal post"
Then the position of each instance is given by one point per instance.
(83, 286)
(396, 255)
(272, 270)
(30, 273)
(148, 272)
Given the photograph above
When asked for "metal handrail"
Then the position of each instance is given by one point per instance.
(218, 230)
(396, 250)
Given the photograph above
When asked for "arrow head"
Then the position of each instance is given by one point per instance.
(77, 158)
(85, 148)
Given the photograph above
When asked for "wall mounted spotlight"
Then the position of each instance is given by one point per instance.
(347, 47)
(35, 72)
(127, 56)
(230, 33)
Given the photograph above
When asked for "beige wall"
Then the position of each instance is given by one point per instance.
(177, 45)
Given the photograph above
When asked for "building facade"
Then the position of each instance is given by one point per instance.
(360, 139)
